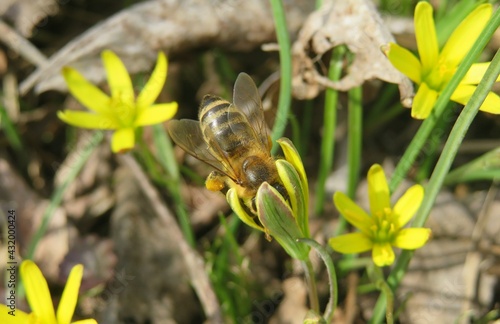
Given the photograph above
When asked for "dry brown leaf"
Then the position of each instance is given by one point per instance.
(292, 308)
(137, 33)
(29, 206)
(98, 257)
(26, 14)
(158, 290)
(356, 24)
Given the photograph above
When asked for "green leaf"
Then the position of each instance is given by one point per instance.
(485, 167)
(278, 220)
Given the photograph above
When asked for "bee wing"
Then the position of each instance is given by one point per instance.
(187, 134)
(247, 99)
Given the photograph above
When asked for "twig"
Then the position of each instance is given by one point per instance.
(21, 45)
(473, 258)
(194, 263)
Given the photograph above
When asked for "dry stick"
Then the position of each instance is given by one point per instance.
(21, 45)
(194, 263)
(473, 258)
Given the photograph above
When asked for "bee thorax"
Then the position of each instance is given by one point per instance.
(256, 171)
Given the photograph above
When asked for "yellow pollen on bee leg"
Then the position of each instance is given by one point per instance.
(214, 182)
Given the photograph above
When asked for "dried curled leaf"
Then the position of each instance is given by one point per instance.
(356, 24)
(138, 32)
(26, 14)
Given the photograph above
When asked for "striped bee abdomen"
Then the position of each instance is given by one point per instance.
(225, 125)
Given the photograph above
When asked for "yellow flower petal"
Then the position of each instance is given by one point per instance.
(69, 297)
(476, 73)
(37, 292)
(378, 190)
(491, 104)
(19, 318)
(408, 205)
(156, 114)
(353, 213)
(382, 254)
(85, 92)
(118, 78)
(234, 202)
(155, 83)
(463, 93)
(123, 140)
(293, 157)
(425, 33)
(86, 321)
(424, 101)
(86, 120)
(351, 243)
(412, 238)
(464, 36)
(404, 61)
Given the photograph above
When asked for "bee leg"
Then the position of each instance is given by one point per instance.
(216, 182)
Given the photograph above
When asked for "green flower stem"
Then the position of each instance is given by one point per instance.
(449, 152)
(311, 281)
(346, 265)
(167, 160)
(455, 139)
(377, 277)
(386, 290)
(428, 125)
(10, 130)
(485, 167)
(57, 197)
(330, 268)
(354, 138)
(286, 72)
(432, 148)
(329, 125)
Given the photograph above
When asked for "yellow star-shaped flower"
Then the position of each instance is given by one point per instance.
(121, 111)
(40, 301)
(435, 68)
(383, 228)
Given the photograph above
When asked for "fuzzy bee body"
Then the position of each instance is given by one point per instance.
(222, 123)
(233, 138)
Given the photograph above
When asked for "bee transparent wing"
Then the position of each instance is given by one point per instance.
(187, 134)
(247, 99)
(229, 167)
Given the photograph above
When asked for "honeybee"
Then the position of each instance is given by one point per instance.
(233, 138)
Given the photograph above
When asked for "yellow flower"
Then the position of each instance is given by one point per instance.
(38, 295)
(383, 229)
(435, 68)
(121, 112)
